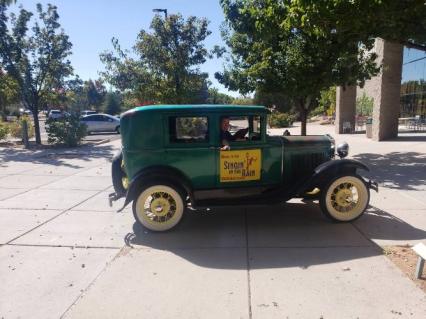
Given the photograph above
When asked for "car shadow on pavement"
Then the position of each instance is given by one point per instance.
(293, 235)
(56, 156)
(398, 170)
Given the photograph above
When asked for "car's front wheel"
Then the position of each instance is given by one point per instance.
(345, 198)
(159, 207)
(117, 129)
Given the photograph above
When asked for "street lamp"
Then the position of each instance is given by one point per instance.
(161, 10)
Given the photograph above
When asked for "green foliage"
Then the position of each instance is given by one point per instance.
(164, 64)
(273, 100)
(94, 92)
(68, 130)
(277, 119)
(36, 60)
(364, 105)
(215, 97)
(15, 128)
(4, 130)
(327, 103)
(112, 103)
(241, 100)
(9, 91)
(301, 48)
(191, 126)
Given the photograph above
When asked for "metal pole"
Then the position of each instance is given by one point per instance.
(419, 268)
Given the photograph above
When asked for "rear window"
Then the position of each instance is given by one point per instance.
(188, 129)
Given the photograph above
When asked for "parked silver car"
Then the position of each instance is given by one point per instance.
(101, 123)
(56, 114)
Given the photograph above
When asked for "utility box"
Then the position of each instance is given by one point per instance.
(369, 127)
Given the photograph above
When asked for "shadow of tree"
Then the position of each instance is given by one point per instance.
(408, 138)
(230, 230)
(399, 170)
(379, 224)
(55, 157)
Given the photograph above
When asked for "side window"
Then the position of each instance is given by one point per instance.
(188, 129)
(96, 118)
(240, 129)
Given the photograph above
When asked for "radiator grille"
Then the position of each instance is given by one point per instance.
(303, 165)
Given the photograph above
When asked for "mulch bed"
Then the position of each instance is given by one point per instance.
(406, 260)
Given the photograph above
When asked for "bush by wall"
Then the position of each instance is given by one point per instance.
(68, 130)
(15, 128)
(4, 130)
(278, 119)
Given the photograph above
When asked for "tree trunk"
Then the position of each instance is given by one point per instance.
(36, 124)
(303, 118)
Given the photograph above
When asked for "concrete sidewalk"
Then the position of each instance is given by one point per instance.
(65, 253)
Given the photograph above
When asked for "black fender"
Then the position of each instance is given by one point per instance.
(324, 172)
(157, 174)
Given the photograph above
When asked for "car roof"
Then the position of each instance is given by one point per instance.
(201, 107)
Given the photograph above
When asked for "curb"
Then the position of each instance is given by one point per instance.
(101, 141)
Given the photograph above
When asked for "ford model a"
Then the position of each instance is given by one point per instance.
(205, 156)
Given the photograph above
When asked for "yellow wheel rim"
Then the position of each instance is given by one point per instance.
(125, 182)
(124, 179)
(159, 207)
(344, 197)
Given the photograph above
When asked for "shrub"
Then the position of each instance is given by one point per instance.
(278, 119)
(67, 130)
(364, 105)
(16, 127)
(4, 130)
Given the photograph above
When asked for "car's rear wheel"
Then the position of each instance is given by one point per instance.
(345, 198)
(117, 129)
(159, 207)
(120, 180)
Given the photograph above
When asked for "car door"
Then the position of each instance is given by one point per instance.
(97, 123)
(111, 124)
(248, 161)
(189, 148)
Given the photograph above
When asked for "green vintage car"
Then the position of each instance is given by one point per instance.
(217, 155)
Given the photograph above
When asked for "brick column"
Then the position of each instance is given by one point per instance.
(345, 107)
(387, 86)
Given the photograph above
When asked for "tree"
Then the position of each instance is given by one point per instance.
(9, 91)
(300, 48)
(94, 92)
(165, 69)
(37, 60)
(215, 97)
(112, 103)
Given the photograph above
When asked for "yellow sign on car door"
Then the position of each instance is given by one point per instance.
(238, 166)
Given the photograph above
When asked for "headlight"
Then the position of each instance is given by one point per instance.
(342, 150)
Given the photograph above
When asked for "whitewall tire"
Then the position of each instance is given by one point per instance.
(159, 207)
(345, 198)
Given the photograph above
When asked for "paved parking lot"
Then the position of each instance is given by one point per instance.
(65, 253)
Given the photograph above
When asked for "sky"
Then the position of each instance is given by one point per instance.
(91, 24)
